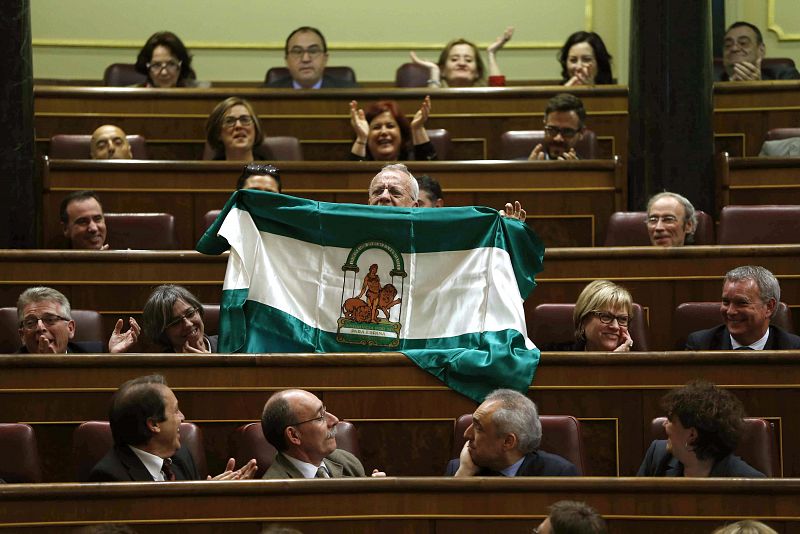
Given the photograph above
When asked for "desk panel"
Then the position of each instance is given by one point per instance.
(758, 180)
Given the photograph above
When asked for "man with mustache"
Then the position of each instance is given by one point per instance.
(296, 423)
(563, 128)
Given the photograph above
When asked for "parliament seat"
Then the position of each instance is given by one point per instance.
(88, 327)
(92, 440)
(782, 133)
(442, 142)
(341, 73)
(209, 218)
(551, 324)
(759, 225)
(77, 146)
(141, 231)
(518, 144)
(758, 444)
(19, 454)
(211, 319)
(123, 75)
(275, 148)
(248, 442)
(628, 229)
(561, 434)
(693, 316)
(411, 75)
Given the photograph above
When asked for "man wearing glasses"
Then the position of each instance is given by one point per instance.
(296, 423)
(46, 326)
(563, 128)
(306, 54)
(671, 220)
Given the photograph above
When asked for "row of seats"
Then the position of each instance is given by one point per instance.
(516, 144)
(19, 458)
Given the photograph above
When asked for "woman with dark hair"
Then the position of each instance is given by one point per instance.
(703, 427)
(383, 133)
(173, 320)
(166, 62)
(585, 60)
(460, 64)
(233, 131)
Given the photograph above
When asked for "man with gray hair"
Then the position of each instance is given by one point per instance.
(46, 326)
(750, 295)
(503, 440)
(671, 220)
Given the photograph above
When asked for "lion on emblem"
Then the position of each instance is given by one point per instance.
(360, 311)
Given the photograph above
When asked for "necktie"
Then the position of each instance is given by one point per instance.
(169, 474)
(321, 473)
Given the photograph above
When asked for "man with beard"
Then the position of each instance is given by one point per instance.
(563, 128)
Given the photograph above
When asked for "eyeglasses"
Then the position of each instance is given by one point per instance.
(667, 220)
(566, 133)
(320, 417)
(608, 318)
(171, 66)
(31, 322)
(230, 121)
(312, 51)
(188, 314)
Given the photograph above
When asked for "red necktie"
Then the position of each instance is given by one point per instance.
(169, 474)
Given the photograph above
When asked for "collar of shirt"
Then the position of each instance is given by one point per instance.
(511, 470)
(152, 462)
(306, 469)
(758, 345)
(317, 85)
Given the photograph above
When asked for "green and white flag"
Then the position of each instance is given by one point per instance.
(443, 286)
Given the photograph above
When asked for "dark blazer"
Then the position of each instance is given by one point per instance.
(659, 463)
(536, 464)
(79, 347)
(340, 464)
(718, 338)
(771, 73)
(328, 82)
(121, 464)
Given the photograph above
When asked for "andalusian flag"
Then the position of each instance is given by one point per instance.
(444, 286)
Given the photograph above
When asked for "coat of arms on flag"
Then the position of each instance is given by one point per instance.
(443, 286)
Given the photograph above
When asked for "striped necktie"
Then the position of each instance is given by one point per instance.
(169, 474)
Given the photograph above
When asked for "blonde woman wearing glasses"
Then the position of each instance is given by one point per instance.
(233, 131)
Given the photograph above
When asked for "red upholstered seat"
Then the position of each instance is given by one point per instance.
(92, 440)
(561, 434)
(88, 327)
(248, 442)
(442, 142)
(551, 324)
(758, 444)
(275, 148)
(411, 75)
(77, 146)
(209, 218)
(693, 316)
(518, 144)
(123, 75)
(759, 225)
(141, 231)
(342, 73)
(211, 319)
(19, 454)
(628, 229)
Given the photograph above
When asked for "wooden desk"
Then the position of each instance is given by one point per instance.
(568, 203)
(758, 180)
(404, 415)
(173, 121)
(392, 505)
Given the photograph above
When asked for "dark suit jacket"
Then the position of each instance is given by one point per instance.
(340, 464)
(770, 73)
(328, 82)
(121, 464)
(89, 347)
(718, 338)
(659, 463)
(536, 464)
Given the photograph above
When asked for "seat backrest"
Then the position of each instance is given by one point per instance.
(248, 441)
(341, 73)
(628, 229)
(141, 231)
(88, 327)
(758, 444)
(692, 316)
(759, 225)
(561, 434)
(211, 319)
(19, 454)
(782, 133)
(92, 440)
(411, 75)
(209, 218)
(123, 75)
(276, 148)
(518, 144)
(442, 143)
(76, 146)
(551, 324)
